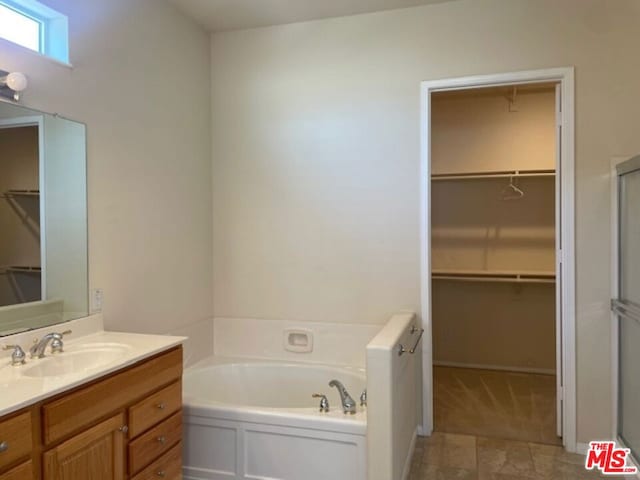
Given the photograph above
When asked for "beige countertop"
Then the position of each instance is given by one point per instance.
(21, 386)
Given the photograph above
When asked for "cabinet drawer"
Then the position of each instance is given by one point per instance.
(23, 472)
(149, 446)
(76, 411)
(154, 409)
(15, 439)
(169, 467)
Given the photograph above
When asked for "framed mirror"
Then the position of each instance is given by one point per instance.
(43, 219)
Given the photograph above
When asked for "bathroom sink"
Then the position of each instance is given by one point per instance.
(76, 360)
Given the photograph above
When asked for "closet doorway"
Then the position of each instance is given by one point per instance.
(498, 282)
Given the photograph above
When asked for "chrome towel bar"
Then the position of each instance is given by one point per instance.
(402, 349)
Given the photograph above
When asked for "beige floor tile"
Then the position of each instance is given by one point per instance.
(436, 472)
(506, 476)
(496, 459)
(505, 457)
(451, 450)
(555, 453)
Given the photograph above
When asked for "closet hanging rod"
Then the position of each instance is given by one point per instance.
(483, 175)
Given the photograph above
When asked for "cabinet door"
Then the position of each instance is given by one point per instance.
(23, 472)
(96, 454)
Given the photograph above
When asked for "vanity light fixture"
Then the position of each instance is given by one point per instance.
(11, 84)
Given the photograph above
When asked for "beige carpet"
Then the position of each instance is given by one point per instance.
(507, 405)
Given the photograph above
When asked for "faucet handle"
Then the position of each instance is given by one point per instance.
(363, 398)
(18, 357)
(56, 344)
(324, 403)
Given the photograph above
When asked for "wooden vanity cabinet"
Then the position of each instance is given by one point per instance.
(96, 453)
(18, 432)
(125, 426)
(21, 472)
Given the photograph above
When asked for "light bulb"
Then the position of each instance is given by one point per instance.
(17, 81)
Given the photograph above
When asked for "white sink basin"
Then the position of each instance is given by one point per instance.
(76, 360)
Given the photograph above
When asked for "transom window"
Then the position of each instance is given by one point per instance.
(35, 26)
(19, 28)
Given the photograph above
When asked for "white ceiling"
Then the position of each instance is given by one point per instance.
(222, 15)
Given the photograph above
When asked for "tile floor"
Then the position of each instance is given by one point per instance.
(449, 456)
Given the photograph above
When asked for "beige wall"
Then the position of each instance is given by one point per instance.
(141, 83)
(497, 325)
(474, 229)
(316, 155)
(480, 130)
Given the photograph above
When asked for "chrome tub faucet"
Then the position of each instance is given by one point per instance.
(348, 403)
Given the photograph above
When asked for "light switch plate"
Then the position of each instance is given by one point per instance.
(97, 299)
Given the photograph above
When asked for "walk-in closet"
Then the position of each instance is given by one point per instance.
(20, 262)
(493, 261)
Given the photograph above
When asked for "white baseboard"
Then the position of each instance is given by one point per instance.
(407, 463)
(479, 366)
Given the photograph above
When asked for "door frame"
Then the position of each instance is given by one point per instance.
(615, 250)
(565, 77)
(615, 293)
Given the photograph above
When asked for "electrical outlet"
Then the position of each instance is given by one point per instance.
(97, 298)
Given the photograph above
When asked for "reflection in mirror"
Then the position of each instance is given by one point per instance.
(43, 220)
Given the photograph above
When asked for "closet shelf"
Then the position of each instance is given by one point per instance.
(21, 193)
(495, 276)
(21, 269)
(488, 175)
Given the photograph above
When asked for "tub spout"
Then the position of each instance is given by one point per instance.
(348, 403)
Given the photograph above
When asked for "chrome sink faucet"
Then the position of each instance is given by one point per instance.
(348, 403)
(37, 350)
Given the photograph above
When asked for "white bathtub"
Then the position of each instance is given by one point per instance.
(251, 419)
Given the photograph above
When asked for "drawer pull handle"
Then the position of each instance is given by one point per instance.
(4, 446)
(162, 440)
(161, 406)
(161, 473)
(124, 429)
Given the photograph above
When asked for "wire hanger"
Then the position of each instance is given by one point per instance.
(511, 191)
(513, 106)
